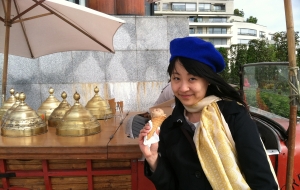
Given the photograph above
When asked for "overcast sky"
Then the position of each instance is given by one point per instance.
(269, 13)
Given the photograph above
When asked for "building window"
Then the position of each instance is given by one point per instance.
(191, 7)
(199, 30)
(204, 7)
(166, 7)
(219, 8)
(262, 34)
(217, 30)
(156, 7)
(184, 6)
(246, 31)
(217, 19)
(243, 41)
(195, 19)
(192, 30)
(178, 6)
(192, 19)
(218, 41)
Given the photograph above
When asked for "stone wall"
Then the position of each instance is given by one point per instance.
(135, 73)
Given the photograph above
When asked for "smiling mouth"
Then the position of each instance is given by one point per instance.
(185, 96)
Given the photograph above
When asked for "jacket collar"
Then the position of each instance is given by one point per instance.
(179, 120)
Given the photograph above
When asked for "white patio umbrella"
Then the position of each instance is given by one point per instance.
(33, 28)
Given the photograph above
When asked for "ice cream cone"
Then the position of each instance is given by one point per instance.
(156, 122)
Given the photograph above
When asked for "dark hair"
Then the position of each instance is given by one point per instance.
(217, 87)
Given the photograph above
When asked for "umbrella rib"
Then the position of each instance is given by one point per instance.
(30, 18)
(3, 4)
(30, 8)
(23, 29)
(73, 25)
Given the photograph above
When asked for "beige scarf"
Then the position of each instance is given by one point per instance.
(216, 148)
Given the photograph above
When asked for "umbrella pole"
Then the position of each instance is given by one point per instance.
(7, 24)
(293, 80)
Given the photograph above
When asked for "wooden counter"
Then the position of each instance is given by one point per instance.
(107, 160)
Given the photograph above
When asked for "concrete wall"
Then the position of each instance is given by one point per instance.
(135, 74)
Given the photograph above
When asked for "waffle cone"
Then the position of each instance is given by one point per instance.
(156, 122)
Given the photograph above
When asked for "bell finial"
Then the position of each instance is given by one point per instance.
(11, 91)
(64, 95)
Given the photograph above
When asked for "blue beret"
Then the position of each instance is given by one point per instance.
(199, 50)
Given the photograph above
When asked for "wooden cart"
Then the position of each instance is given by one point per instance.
(107, 160)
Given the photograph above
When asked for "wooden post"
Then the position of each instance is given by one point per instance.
(7, 24)
(293, 80)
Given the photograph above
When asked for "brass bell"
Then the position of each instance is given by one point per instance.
(8, 103)
(78, 121)
(59, 112)
(48, 105)
(7, 113)
(99, 107)
(23, 121)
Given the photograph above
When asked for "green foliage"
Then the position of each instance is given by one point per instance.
(298, 57)
(273, 94)
(252, 19)
(276, 103)
(238, 12)
(250, 96)
(225, 73)
(266, 76)
(260, 51)
(238, 58)
(281, 45)
(280, 39)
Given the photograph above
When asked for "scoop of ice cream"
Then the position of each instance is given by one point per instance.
(157, 112)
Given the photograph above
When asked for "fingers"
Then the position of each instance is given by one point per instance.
(145, 130)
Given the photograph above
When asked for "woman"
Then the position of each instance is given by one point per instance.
(210, 140)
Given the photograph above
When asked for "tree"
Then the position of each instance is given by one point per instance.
(280, 39)
(238, 57)
(260, 51)
(225, 74)
(252, 19)
(237, 12)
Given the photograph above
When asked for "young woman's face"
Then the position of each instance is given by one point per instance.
(189, 89)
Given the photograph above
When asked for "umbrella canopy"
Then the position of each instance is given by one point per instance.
(33, 28)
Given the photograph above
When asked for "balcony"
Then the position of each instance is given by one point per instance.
(247, 34)
(199, 33)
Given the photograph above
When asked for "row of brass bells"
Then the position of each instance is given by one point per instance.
(8, 103)
(20, 120)
(99, 107)
(23, 121)
(48, 106)
(78, 121)
(59, 112)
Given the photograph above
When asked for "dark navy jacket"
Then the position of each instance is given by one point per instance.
(179, 167)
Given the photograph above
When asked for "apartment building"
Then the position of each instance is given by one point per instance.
(213, 20)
